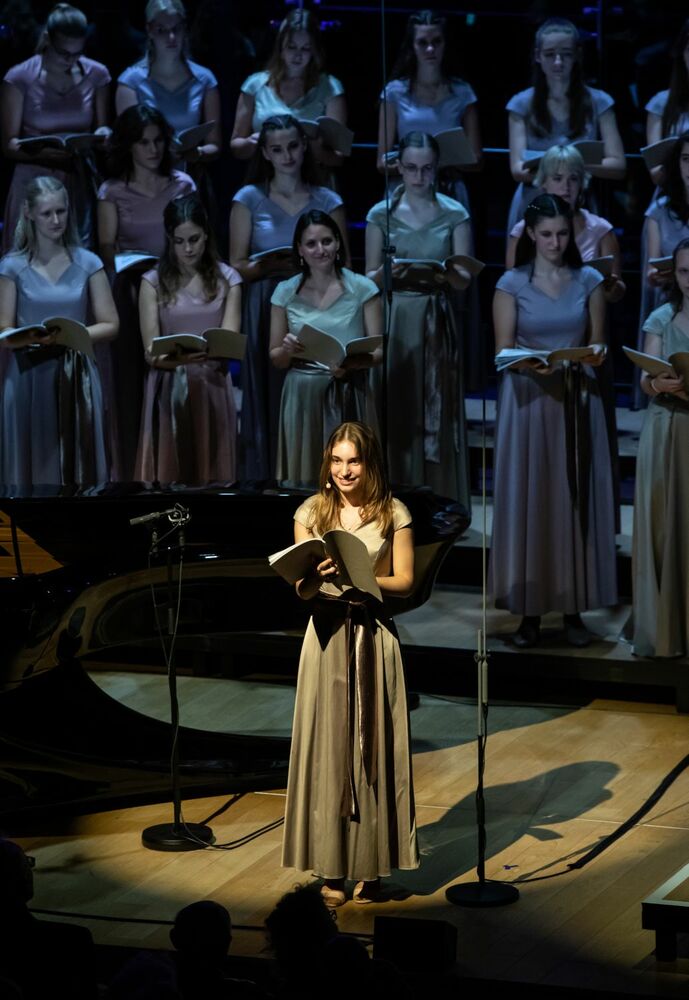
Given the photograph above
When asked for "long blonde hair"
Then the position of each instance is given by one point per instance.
(378, 501)
(25, 233)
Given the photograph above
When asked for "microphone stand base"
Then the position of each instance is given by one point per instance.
(172, 837)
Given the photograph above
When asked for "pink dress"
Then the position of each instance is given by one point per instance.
(140, 217)
(46, 112)
(189, 420)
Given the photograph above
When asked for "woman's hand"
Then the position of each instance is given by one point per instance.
(356, 362)
(534, 365)
(327, 570)
(597, 356)
(657, 278)
(292, 345)
(672, 384)
(32, 338)
(168, 362)
(614, 288)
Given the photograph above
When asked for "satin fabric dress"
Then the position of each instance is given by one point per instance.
(350, 800)
(426, 423)
(313, 401)
(553, 544)
(51, 401)
(45, 112)
(660, 550)
(271, 227)
(189, 418)
(520, 105)
(139, 227)
(267, 102)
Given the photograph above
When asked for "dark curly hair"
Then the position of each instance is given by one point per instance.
(127, 129)
(546, 206)
(188, 208)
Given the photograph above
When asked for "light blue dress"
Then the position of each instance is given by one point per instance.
(271, 226)
(656, 106)
(268, 103)
(520, 105)
(313, 401)
(52, 405)
(548, 552)
(183, 107)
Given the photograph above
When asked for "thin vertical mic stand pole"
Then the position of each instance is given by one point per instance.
(483, 892)
(388, 253)
(175, 836)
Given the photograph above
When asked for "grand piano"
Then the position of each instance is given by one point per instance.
(63, 741)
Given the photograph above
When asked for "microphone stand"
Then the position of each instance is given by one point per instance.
(177, 835)
(388, 254)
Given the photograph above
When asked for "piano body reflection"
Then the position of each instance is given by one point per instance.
(62, 739)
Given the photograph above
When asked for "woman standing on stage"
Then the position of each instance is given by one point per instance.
(328, 296)
(294, 83)
(424, 96)
(559, 108)
(553, 545)
(130, 218)
(661, 498)
(189, 422)
(283, 185)
(426, 425)
(52, 409)
(59, 90)
(350, 801)
(184, 93)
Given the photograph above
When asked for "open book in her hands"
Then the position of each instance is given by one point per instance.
(343, 547)
(68, 333)
(215, 342)
(602, 264)
(73, 142)
(334, 134)
(327, 350)
(510, 356)
(676, 364)
(189, 138)
(658, 153)
(455, 148)
(134, 258)
(664, 265)
(420, 271)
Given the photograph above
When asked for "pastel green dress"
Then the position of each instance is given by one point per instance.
(313, 401)
(426, 423)
(350, 799)
(660, 552)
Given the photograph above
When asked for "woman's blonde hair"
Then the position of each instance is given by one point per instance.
(563, 158)
(25, 234)
(63, 20)
(377, 500)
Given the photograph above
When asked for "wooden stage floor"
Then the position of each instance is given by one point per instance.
(558, 780)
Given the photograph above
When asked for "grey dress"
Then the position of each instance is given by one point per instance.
(520, 105)
(313, 401)
(548, 554)
(261, 382)
(52, 405)
(350, 802)
(426, 424)
(660, 553)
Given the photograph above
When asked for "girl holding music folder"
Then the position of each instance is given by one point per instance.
(660, 554)
(553, 544)
(283, 184)
(320, 392)
(51, 412)
(189, 421)
(294, 83)
(350, 802)
(426, 423)
(558, 108)
(55, 92)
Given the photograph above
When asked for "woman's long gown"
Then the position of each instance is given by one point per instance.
(548, 554)
(426, 424)
(52, 405)
(313, 401)
(189, 419)
(350, 799)
(660, 552)
(271, 227)
(46, 112)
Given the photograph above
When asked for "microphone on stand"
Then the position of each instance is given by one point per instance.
(177, 515)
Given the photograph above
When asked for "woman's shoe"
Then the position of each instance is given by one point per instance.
(333, 894)
(576, 632)
(528, 633)
(367, 892)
